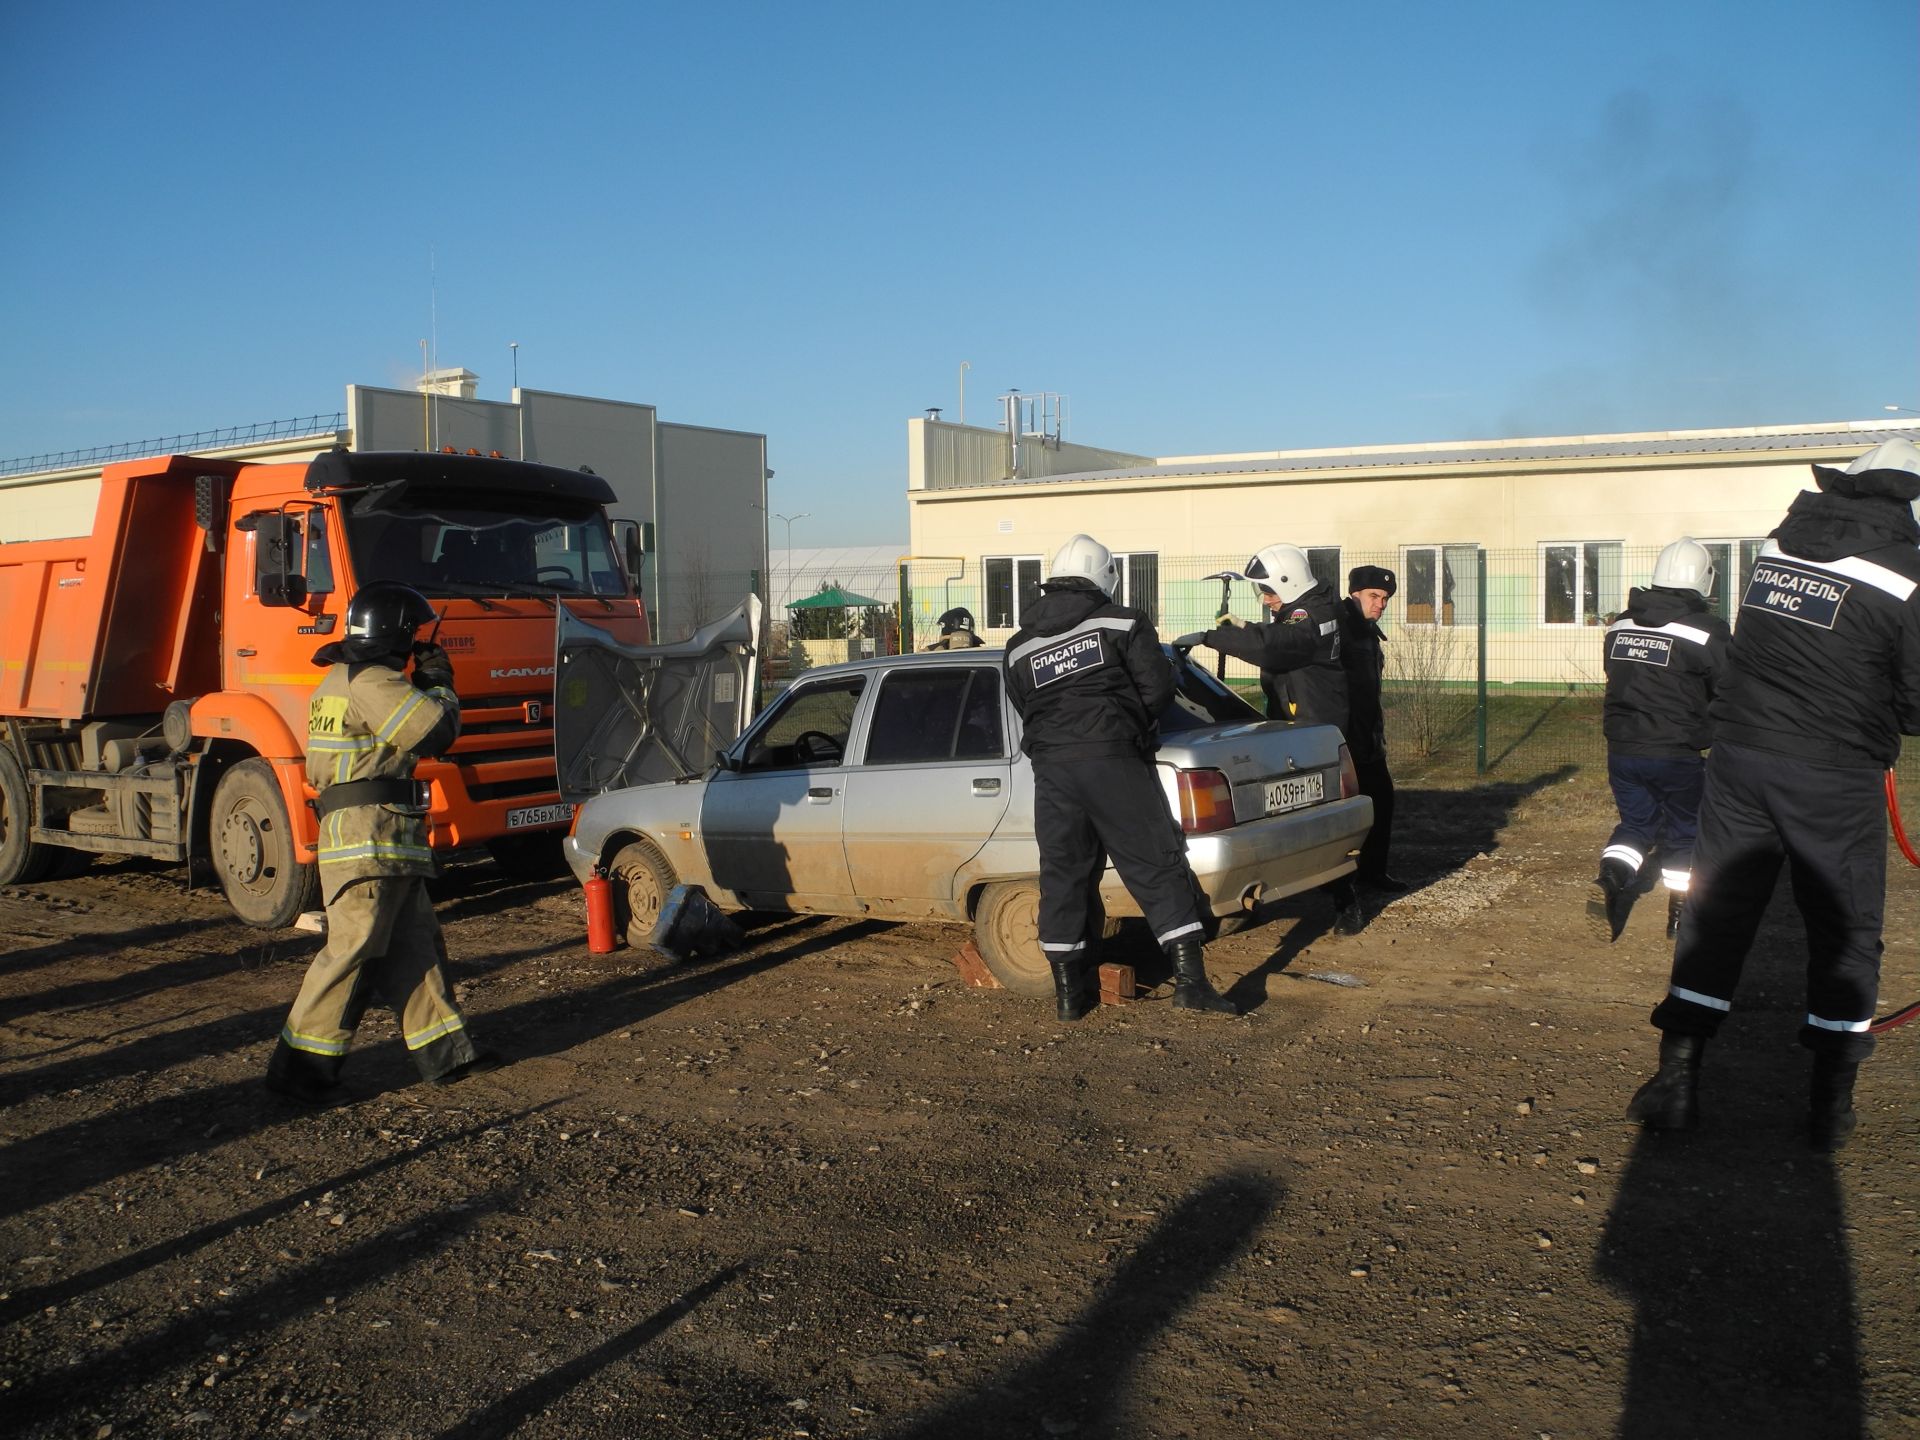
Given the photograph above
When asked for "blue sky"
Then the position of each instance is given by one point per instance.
(1213, 227)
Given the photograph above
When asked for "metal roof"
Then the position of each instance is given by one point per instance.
(1593, 447)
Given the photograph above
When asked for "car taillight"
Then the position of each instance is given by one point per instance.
(1206, 801)
(1349, 777)
(574, 824)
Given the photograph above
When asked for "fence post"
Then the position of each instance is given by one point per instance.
(906, 610)
(1480, 616)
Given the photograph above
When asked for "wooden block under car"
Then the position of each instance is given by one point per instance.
(973, 969)
(1117, 984)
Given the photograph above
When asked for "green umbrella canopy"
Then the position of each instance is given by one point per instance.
(834, 598)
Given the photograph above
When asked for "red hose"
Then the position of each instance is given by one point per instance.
(1906, 1013)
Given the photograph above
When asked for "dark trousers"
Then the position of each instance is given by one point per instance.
(1086, 810)
(1658, 798)
(1828, 822)
(1377, 785)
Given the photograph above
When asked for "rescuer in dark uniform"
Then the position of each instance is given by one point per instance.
(956, 631)
(1362, 656)
(1822, 680)
(1298, 651)
(1298, 648)
(1089, 680)
(1664, 660)
(367, 726)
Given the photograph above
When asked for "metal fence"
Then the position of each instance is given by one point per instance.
(220, 439)
(1493, 656)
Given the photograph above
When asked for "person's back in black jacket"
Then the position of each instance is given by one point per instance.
(1664, 660)
(1087, 676)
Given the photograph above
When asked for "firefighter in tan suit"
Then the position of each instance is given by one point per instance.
(366, 727)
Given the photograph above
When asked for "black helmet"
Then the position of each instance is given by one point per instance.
(958, 618)
(386, 613)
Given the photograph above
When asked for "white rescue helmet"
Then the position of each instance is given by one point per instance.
(1087, 558)
(1685, 565)
(1284, 570)
(1898, 453)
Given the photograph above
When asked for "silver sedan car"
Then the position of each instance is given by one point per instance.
(895, 788)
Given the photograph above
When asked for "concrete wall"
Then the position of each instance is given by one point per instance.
(712, 529)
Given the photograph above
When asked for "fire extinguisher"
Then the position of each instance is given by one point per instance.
(599, 890)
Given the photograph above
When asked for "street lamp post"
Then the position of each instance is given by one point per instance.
(520, 414)
(786, 593)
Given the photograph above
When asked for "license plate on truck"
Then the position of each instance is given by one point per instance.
(1295, 791)
(528, 816)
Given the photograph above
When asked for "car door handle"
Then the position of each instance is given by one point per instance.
(820, 794)
(986, 787)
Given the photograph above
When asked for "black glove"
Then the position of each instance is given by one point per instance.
(431, 666)
(1187, 642)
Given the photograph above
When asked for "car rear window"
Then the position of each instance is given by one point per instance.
(1199, 699)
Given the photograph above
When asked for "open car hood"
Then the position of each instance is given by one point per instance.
(640, 714)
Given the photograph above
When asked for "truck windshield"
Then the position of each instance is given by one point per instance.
(443, 548)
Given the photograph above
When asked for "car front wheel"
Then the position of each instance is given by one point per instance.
(642, 880)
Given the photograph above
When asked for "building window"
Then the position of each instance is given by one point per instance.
(1579, 582)
(1324, 561)
(1732, 564)
(1139, 587)
(1439, 584)
(1012, 584)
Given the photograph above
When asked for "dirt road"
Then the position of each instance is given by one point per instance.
(821, 1188)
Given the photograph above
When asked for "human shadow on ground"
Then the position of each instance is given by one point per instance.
(275, 1300)
(1078, 1384)
(75, 947)
(25, 1300)
(52, 1164)
(1730, 1241)
(505, 1415)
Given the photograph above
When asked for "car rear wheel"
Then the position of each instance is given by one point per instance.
(1006, 931)
(252, 846)
(642, 879)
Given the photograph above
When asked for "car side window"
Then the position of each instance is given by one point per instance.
(936, 714)
(809, 725)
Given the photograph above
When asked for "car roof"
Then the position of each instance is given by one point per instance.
(977, 655)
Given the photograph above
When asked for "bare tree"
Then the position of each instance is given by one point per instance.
(1420, 660)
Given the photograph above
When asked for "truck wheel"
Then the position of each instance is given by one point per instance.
(539, 856)
(251, 843)
(642, 879)
(1006, 931)
(22, 862)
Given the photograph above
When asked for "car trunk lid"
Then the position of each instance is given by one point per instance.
(639, 714)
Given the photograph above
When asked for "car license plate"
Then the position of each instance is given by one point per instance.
(530, 815)
(1295, 791)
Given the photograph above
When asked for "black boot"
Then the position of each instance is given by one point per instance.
(1830, 1118)
(1675, 899)
(1612, 900)
(1670, 1100)
(1072, 996)
(1191, 988)
(1349, 915)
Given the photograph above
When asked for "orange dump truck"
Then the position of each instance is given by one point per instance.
(155, 673)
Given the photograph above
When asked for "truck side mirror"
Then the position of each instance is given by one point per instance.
(633, 540)
(275, 537)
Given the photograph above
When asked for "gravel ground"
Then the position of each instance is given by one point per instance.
(821, 1188)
